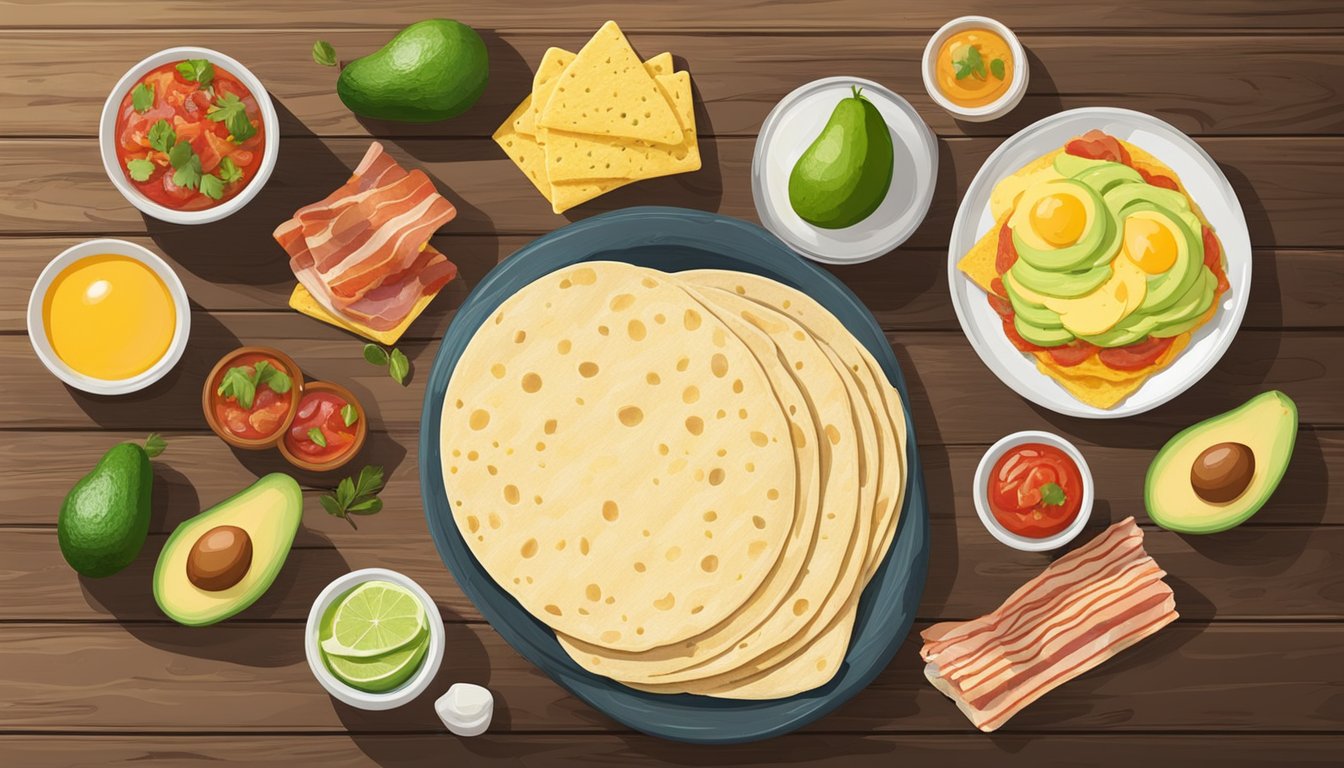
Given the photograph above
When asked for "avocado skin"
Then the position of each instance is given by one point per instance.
(432, 70)
(105, 517)
(845, 174)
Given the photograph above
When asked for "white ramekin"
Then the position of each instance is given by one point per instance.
(408, 690)
(37, 328)
(995, 109)
(107, 142)
(997, 530)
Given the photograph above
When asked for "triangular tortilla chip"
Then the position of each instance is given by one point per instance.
(607, 91)
(574, 156)
(553, 62)
(524, 150)
(1101, 387)
(567, 194)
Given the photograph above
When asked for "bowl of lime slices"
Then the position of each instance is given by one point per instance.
(374, 639)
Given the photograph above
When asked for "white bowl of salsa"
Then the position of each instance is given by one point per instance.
(1033, 491)
(188, 135)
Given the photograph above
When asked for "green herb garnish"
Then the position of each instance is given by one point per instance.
(355, 496)
(375, 354)
(398, 366)
(997, 68)
(154, 444)
(968, 62)
(1052, 495)
(186, 166)
(349, 414)
(140, 169)
(230, 111)
(142, 97)
(197, 70)
(324, 54)
(211, 186)
(319, 439)
(229, 171)
(161, 136)
(241, 384)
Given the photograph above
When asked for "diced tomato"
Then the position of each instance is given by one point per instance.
(1007, 253)
(1073, 353)
(1002, 306)
(206, 151)
(1213, 259)
(1135, 357)
(186, 131)
(1096, 145)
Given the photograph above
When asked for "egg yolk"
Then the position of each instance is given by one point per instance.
(1149, 245)
(1058, 219)
(109, 317)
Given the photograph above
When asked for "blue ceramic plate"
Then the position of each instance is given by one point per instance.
(675, 239)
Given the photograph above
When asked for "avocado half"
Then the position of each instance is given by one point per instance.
(1267, 424)
(269, 510)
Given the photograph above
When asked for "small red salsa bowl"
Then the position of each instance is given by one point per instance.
(263, 425)
(328, 428)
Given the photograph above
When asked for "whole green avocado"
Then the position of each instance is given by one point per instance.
(105, 517)
(432, 70)
(845, 174)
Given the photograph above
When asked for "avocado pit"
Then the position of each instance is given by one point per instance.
(220, 558)
(1222, 472)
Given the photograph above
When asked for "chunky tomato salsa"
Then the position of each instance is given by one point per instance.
(324, 428)
(251, 396)
(189, 135)
(1035, 490)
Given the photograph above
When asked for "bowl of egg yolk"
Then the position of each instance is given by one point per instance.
(108, 317)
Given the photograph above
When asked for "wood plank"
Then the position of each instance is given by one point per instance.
(1261, 572)
(953, 399)
(1152, 16)
(823, 750)
(904, 291)
(1186, 678)
(1287, 186)
(1284, 85)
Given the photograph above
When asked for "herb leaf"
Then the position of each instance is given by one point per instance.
(211, 186)
(997, 68)
(398, 367)
(197, 70)
(356, 496)
(241, 385)
(375, 354)
(186, 166)
(273, 377)
(968, 63)
(319, 439)
(349, 415)
(324, 54)
(229, 171)
(230, 111)
(154, 444)
(140, 169)
(161, 136)
(142, 97)
(1052, 495)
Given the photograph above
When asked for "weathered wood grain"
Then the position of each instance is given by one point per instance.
(905, 290)
(1288, 188)
(1291, 84)
(252, 677)
(1005, 749)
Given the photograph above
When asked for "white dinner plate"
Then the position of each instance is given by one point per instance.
(1202, 179)
(790, 129)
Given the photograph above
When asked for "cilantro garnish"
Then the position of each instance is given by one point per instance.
(161, 136)
(186, 166)
(398, 365)
(997, 68)
(349, 414)
(324, 54)
(968, 62)
(319, 439)
(211, 186)
(229, 110)
(1052, 495)
(242, 386)
(229, 171)
(355, 496)
(197, 70)
(142, 97)
(140, 169)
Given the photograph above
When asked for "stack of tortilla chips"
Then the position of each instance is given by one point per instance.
(600, 119)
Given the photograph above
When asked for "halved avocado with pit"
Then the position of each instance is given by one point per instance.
(224, 559)
(1216, 474)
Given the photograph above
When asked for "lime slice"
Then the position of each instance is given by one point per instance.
(373, 619)
(379, 674)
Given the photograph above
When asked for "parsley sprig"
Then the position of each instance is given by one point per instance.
(969, 61)
(186, 164)
(241, 384)
(355, 496)
(229, 110)
(198, 71)
(142, 97)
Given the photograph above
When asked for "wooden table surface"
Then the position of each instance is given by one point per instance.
(92, 674)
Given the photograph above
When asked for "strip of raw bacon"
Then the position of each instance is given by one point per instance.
(1083, 609)
(387, 305)
(354, 218)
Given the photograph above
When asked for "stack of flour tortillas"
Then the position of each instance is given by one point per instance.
(689, 477)
(600, 119)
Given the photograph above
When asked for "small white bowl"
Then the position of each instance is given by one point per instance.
(408, 690)
(995, 109)
(107, 143)
(37, 329)
(997, 530)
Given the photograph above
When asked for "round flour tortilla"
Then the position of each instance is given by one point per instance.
(582, 451)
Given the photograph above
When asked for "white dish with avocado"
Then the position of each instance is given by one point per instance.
(789, 137)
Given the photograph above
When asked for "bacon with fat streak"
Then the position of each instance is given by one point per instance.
(1083, 609)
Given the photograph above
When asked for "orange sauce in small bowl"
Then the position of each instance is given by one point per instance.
(974, 67)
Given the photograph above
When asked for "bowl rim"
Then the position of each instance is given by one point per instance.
(991, 523)
(107, 122)
(37, 331)
(361, 431)
(296, 393)
(407, 691)
(1000, 106)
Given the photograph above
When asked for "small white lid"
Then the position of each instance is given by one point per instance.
(466, 709)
